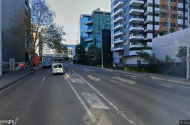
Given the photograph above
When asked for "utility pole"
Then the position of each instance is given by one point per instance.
(188, 45)
(169, 18)
(0, 38)
(102, 56)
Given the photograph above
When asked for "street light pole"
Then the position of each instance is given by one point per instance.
(102, 56)
(188, 46)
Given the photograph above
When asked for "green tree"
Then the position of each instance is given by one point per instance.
(148, 58)
(182, 53)
(54, 37)
(169, 60)
(80, 53)
(172, 30)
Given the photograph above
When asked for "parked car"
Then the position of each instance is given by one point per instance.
(57, 68)
(46, 62)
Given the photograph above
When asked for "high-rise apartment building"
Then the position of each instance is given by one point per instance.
(92, 25)
(136, 22)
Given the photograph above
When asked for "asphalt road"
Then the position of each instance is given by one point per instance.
(94, 96)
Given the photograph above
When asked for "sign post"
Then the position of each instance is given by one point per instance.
(12, 64)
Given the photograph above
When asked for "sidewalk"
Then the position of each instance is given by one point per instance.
(12, 77)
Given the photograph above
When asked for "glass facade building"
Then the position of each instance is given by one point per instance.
(92, 26)
(83, 28)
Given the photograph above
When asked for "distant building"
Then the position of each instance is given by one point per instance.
(83, 28)
(92, 25)
(73, 47)
(8, 8)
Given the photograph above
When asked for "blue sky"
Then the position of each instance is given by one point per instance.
(68, 13)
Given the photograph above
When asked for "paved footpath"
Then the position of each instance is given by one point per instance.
(13, 77)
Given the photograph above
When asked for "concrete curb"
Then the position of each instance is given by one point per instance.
(11, 83)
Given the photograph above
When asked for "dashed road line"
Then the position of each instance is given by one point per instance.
(165, 85)
(117, 83)
(172, 84)
(43, 79)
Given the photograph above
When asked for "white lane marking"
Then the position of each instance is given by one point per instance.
(131, 76)
(49, 70)
(69, 72)
(117, 109)
(172, 84)
(116, 74)
(15, 121)
(84, 105)
(117, 82)
(43, 79)
(165, 85)
(75, 80)
(94, 101)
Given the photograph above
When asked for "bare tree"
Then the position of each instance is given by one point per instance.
(27, 27)
(54, 37)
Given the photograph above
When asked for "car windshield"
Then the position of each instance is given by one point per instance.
(57, 66)
(94, 62)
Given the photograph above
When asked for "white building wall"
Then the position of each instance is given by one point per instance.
(133, 60)
(169, 44)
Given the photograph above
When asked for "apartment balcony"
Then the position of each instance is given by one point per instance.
(88, 40)
(136, 46)
(136, 37)
(118, 19)
(118, 48)
(150, 3)
(136, 20)
(149, 19)
(89, 31)
(136, 28)
(118, 33)
(119, 40)
(118, 4)
(149, 27)
(148, 36)
(136, 11)
(118, 11)
(89, 22)
(136, 2)
(134, 52)
(118, 26)
(149, 11)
